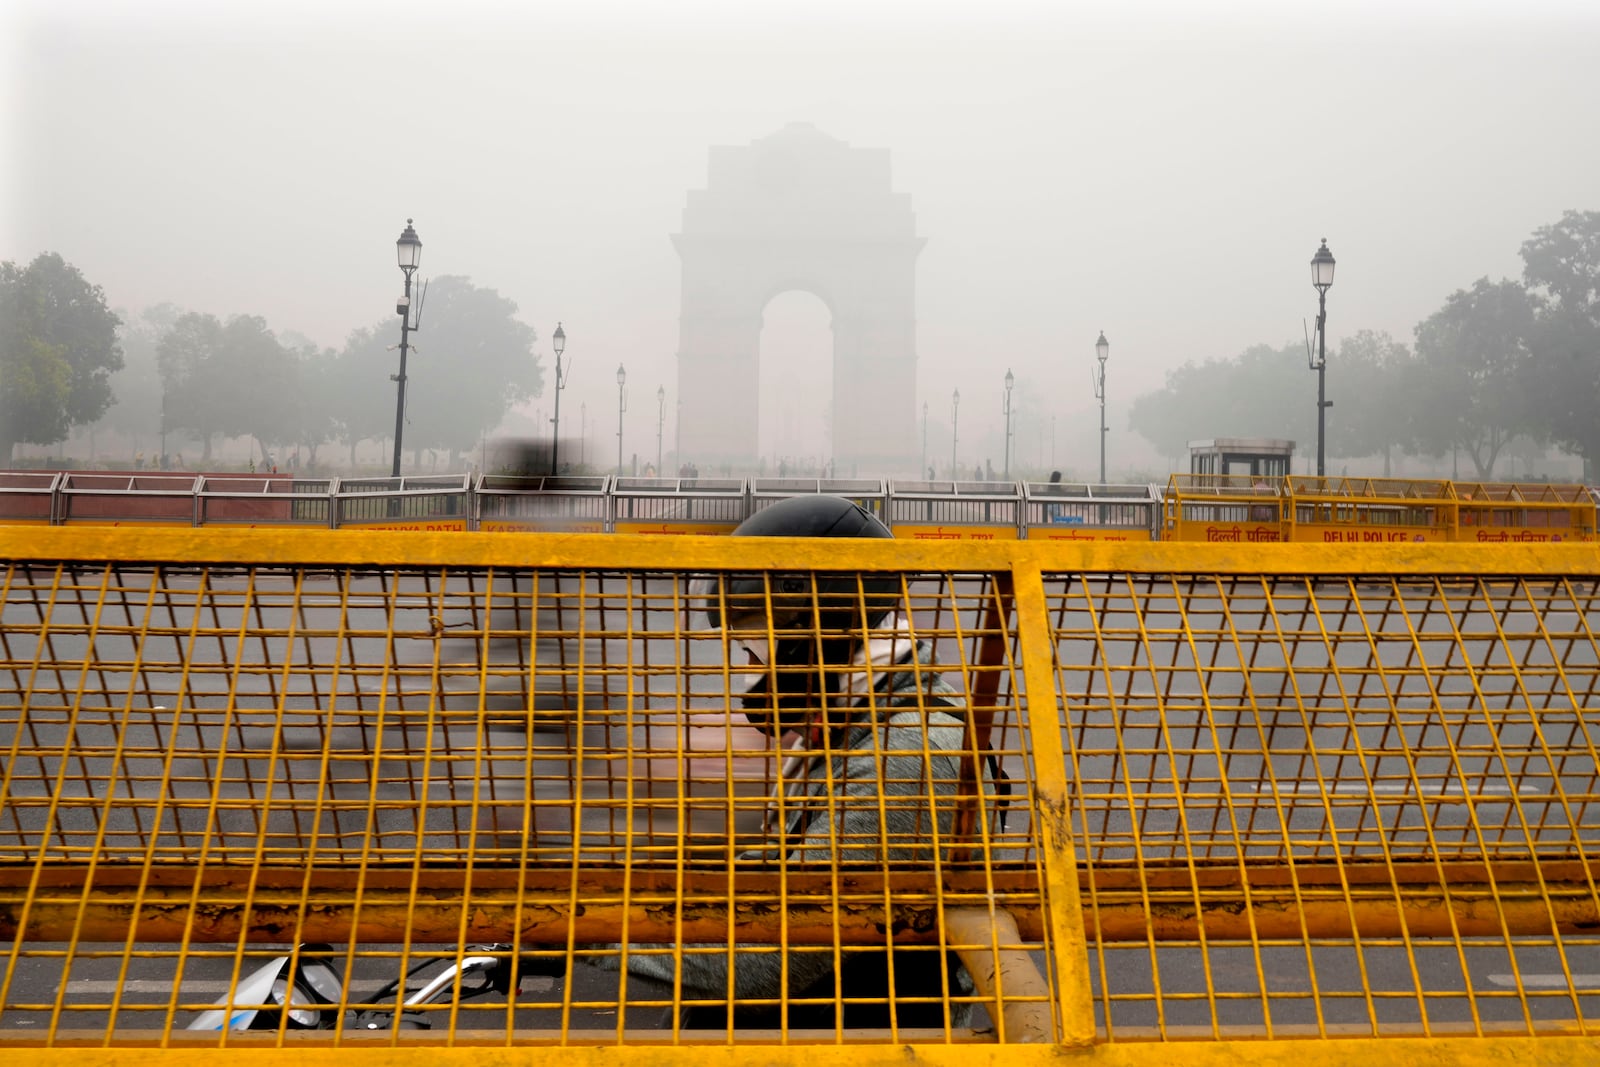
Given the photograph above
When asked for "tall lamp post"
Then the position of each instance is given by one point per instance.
(1322, 281)
(955, 429)
(622, 405)
(1005, 407)
(558, 341)
(409, 251)
(1102, 349)
(661, 420)
(923, 466)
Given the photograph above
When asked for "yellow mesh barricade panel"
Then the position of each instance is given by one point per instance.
(1139, 803)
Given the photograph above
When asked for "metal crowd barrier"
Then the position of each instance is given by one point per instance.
(954, 511)
(870, 493)
(1533, 512)
(1225, 508)
(1194, 507)
(1194, 804)
(269, 500)
(1058, 511)
(670, 506)
(1371, 510)
(119, 499)
(434, 503)
(564, 504)
(29, 496)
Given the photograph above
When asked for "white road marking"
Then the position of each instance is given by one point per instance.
(1584, 983)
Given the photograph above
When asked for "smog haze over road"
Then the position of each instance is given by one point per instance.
(1161, 171)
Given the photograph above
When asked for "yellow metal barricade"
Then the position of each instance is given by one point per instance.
(1209, 803)
(1225, 509)
(1370, 511)
(1523, 513)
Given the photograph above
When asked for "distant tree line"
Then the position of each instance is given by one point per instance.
(1498, 362)
(66, 361)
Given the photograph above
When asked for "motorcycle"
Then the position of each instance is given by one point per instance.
(303, 991)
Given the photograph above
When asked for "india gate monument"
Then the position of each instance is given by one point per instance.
(799, 210)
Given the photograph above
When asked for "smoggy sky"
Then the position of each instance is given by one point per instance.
(1159, 171)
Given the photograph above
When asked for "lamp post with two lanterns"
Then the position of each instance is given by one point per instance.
(409, 251)
(1322, 281)
(923, 466)
(622, 405)
(955, 429)
(661, 420)
(1005, 407)
(1102, 349)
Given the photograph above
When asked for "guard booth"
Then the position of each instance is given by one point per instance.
(870, 493)
(565, 504)
(1059, 511)
(1524, 512)
(1225, 508)
(955, 511)
(1370, 510)
(29, 497)
(274, 500)
(426, 502)
(672, 506)
(1257, 457)
(120, 499)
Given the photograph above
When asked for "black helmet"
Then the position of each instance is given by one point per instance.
(817, 618)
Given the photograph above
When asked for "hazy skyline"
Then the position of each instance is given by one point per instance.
(1161, 172)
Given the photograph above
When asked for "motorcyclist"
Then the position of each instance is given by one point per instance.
(874, 740)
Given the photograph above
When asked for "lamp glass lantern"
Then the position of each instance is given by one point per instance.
(1322, 268)
(558, 340)
(408, 249)
(1102, 347)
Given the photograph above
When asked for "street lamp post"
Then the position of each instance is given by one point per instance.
(1322, 281)
(955, 428)
(409, 251)
(583, 433)
(1102, 349)
(622, 405)
(558, 341)
(922, 467)
(661, 421)
(1005, 407)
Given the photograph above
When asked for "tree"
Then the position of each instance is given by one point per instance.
(228, 379)
(1372, 410)
(258, 383)
(1262, 392)
(58, 350)
(1473, 373)
(136, 411)
(363, 409)
(314, 411)
(189, 358)
(1561, 262)
(471, 362)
